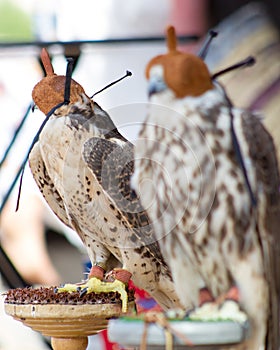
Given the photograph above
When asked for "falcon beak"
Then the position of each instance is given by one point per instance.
(156, 85)
(33, 107)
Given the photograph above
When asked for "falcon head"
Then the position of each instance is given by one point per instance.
(184, 73)
(50, 90)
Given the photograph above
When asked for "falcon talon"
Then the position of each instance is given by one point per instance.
(56, 289)
(82, 291)
(121, 275)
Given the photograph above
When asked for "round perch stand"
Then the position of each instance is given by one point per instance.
(67, 325)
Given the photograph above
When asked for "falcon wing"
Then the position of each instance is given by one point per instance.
(263, 154)
(53, 197)
(46, 185)
(112, 162)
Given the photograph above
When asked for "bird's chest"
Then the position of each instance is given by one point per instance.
(61, 150)
(61, 147)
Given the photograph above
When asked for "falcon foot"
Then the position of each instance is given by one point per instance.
(96, 271)
(119, 274)
(205, 296)
(232, 294)
(95, 285)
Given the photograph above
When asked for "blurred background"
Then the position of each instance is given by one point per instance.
(39, 246)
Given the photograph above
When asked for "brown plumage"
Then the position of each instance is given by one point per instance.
(200, 200)
(83, 165)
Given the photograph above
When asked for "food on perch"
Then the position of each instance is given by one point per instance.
(48, 295)
(95, 285)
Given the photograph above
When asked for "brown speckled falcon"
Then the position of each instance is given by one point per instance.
(83, 165)
(207, 175)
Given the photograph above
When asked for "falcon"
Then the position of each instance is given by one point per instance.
(207, 175)
(82, 165)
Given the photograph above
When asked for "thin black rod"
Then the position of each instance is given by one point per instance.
(69, 71)
(204, 49)
(10, 190)
(18, 129)
(238, 153)
(247, 62)
(182, 38)
(241, 162)
(127, 74)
